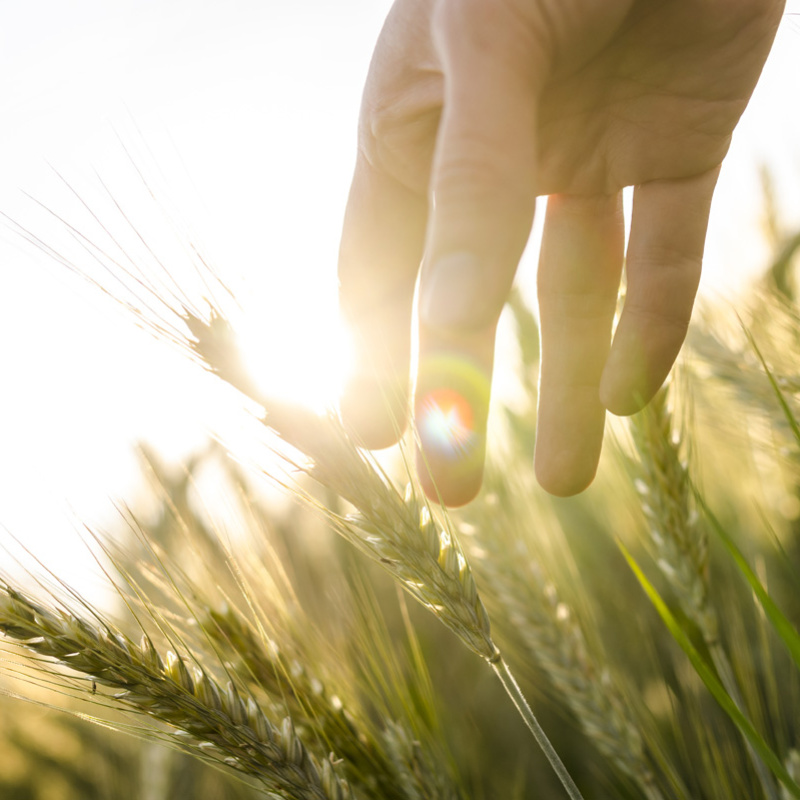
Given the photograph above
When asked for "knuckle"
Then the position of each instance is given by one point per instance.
(397, 133)
(671, 320)
(508, 31)
(474, 169)
(590, 306)
(677, 269)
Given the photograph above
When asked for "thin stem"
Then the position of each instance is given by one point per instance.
(515, 693)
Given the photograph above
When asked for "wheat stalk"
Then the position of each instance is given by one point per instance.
(220, 724)
(554, 638)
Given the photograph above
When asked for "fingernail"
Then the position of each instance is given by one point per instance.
(452, 293)
(374, 413)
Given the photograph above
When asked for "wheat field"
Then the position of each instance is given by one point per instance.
(638, 641)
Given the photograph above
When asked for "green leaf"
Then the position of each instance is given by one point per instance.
(711, 681)
(780, 623)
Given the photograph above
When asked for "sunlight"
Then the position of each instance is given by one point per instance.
(294, 362)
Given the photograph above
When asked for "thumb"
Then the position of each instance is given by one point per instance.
(483, 186)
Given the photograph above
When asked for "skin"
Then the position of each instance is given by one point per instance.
(474, 108)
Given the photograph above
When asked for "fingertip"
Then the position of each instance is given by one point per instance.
(624, 391)
(624, 399)
(569, 439)
(565, 463)
(636, 369)
(444, 484)
(374, 415)
(564, 475)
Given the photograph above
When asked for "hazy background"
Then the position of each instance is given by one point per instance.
(252, 106)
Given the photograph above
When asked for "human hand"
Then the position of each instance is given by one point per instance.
(471, 110)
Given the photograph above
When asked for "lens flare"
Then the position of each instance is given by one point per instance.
(447, 423)
(450, 414)
(451, 406)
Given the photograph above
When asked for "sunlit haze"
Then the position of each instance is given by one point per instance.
(248, 110)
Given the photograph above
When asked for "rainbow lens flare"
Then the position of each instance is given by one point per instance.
(451, 406)
(446, 423)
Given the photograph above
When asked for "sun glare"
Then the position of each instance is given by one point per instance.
(307, 365)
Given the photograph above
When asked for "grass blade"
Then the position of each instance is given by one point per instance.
(711, 681)
(780, 623)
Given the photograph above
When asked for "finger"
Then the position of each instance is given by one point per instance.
(483, 186)
(580, 266)
(385, 220)
(380, 252)
(665, 253)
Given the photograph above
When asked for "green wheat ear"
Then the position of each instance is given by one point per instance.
(217, 722)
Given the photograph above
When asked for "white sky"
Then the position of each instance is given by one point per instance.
(260, 100)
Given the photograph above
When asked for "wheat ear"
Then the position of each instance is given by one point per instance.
(290, 685)
(663, 486)
(219, 724)
(397, 530)
(681, 544)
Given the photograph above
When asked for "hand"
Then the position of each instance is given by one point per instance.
(472, 109)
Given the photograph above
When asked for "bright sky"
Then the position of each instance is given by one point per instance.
(260, 100)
